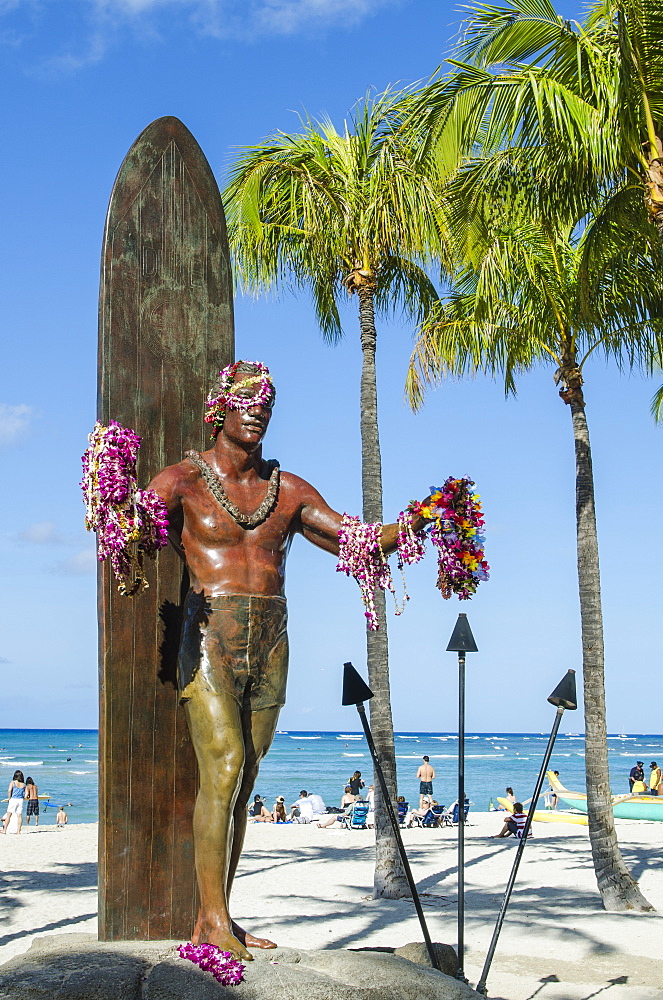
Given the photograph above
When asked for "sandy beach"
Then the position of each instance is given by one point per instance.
(311, 888)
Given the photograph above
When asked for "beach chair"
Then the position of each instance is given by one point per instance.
(434, 816)
(356, 820)
(402, 812)
(450, 816)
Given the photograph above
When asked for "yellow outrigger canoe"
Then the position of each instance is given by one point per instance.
(549, 815)
(649, 807)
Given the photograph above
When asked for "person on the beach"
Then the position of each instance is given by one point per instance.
(317, 804)
(654, 778)
(232, 518)
(302, 810)
(636, 774)
(514, 824)
(61, 819)
(355, 782)
(279, 814)
(259, 813)
(16, 797)
(553, 800)
(420, 812)
(347, 802)
(32, 795)
(425, 774)
(370, 798)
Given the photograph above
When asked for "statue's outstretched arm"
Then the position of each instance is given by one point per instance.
(321, 525)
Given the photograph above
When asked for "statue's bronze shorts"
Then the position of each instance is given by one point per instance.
(239, 645)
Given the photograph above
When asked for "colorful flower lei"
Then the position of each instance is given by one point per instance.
(360, 555)
(457, 533)
(130, 523)
(225, 395)
(226, 970)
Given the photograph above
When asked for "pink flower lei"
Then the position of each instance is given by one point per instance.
(360, 555)
(130, 523)
(226, 970)
(225, 395)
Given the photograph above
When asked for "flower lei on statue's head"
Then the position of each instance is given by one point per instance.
(457, 533)
(130, 523)
(225, 396)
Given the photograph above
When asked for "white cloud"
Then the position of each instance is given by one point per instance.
(273, 16)
(286, 17)
(238, 19)
(43, 533)
(14, 420)
(80, 564)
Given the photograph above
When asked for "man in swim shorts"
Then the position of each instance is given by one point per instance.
(232, 518)
(426, 773)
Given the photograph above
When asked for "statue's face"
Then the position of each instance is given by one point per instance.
(248, 425)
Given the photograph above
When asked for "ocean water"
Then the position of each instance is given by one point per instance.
(63, 763)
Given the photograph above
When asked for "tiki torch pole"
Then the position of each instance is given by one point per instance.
(564, 696)
(356, 692)
(461, 642)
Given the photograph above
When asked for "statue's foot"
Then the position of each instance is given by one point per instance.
(249, 940)
(207, 932)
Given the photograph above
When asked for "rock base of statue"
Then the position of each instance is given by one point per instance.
(78, 967)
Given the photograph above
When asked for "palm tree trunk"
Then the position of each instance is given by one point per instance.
(619, 890)
(389, 879)
(653, 185)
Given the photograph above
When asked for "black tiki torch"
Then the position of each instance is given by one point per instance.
(564, 696)
(356, 692)
(461, 642)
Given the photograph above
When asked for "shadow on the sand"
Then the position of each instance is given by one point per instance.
(64, 876)
(16, 886)
(531, 905)
(53, 926)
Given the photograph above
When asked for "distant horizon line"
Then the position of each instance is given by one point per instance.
(356, 732)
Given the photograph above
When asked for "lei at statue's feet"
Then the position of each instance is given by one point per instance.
(249, 940)
(218, 933)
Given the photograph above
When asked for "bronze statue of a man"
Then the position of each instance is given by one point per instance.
(232, 518)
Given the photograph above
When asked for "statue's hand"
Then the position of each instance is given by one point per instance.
(422, 514)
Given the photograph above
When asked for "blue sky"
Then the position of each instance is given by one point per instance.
(79, 81)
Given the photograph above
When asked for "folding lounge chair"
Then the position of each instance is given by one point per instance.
(434, 816)
(431, 818)
(450, 817)
(356, 820)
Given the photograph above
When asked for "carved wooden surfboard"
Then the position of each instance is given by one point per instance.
(165, 330)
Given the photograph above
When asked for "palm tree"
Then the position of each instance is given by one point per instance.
(345, 213)
(563, 120)
(523, 300)
(586, 116)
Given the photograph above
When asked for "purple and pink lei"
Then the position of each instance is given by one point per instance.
(131, 523)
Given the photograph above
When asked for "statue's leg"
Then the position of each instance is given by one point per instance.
(259, 728)
(263, 700)
(217, 734)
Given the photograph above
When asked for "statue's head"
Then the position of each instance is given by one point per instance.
(240, 386)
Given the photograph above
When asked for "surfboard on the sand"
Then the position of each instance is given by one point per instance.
(165, 330)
